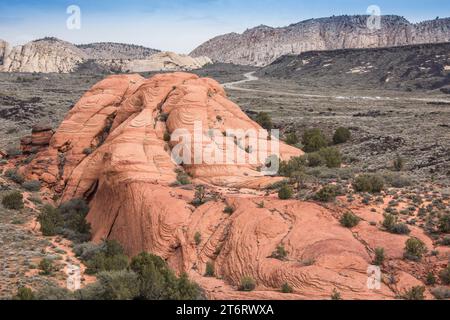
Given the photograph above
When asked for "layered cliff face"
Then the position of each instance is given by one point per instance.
(113, 150)
(46, 55)
(262, 45)
(112, 50)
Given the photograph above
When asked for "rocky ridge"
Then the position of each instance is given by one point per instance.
(262, 45)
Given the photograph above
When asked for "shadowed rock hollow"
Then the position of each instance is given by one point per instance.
(112, 150)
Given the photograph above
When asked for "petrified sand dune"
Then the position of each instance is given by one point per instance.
(111, 149)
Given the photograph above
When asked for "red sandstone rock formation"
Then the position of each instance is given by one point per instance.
(111, 149)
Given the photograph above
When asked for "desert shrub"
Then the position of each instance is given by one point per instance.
(295, 164)
(445, 275)
(280, 253)
(399, 163)
(397, 180)
(183, 178)
(431, 279)
(414, 249)
(73, 214)
(24, 293)
(50, 220)
(379, 256)
(14, 175)
(111, 257)
(13, 201)
(286, 288)
(446, 241)
(336, 295)
(228, 210)
(46, 266)
(400, 228)
(167, 137)
(292, 139)
(52, 292)
(313, 140)
(87, 151)
(441, 293)
(285, 192)
(415, 293)
(200, 196)
(112, 285)
(368, 183)
(197, 238)
(247, 284)
(157, 282)
(331, 156)
(341, 135)
(328, 193)
(209, 269)
(315, 159)
(444, 223)
(33, 185)
(13, 152)
(264, 120)
(87, 250)
(349, 220)
(389, 221)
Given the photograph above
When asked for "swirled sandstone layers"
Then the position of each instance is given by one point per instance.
(112, 149)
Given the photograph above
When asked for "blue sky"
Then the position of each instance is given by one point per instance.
(181, 25)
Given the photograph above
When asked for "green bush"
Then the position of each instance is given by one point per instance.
(183, 178)
(167, 137)
(112, 285)
(157, 282)
(444, 223)
(368, 183)
(14, 175)
(24, 293)
(431, 279)
(209, 269)
(331, 156)
(228, 210)
(73, 214)
(51, 292)
(13, 201)
(414, 249)
(399, 163)
(110, 258)
(200, 196)
(87, 151)
(400, 228)
(336, 295)
(286, 288)
(198, 238)
(295, 164)
(349, 220)
(292, 139)
(46, 266)
(313, 140)
(315, 160)
(285, 192)
(389, 221)
(341, 135)
(264, 120)
(33, 185)
(328, 193)
(379, 256)
(445, 275)
(441, 293)
(247, 284)
(280, 253)
(415, 293)
(50, 221)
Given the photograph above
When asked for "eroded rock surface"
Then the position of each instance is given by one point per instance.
(112, 149)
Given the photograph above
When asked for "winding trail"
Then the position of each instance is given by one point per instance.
(249, 77)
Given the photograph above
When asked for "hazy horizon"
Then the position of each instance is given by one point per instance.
(181, 25)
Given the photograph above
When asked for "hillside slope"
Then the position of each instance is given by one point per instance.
(111, 50)
(406, 68)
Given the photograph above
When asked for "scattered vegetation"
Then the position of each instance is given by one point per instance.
(198, 238)
(286, 288)
(33, 185)
(445, 275)
(50, 220)
(183, 178)
(328, 193)
(415, 293)
(209, 269)
(379, 256)
(46, 267)
(280, 253)
(285, 192)
(313, 140)
(331, 157)
(14, 175)
(24, 293)
(349, 220)
(13, 201)
(341, 135)
(264, 120)
(109, 257)
(292, 139)
(247, 284)
(371, 183)
(336, 295)
(399, 163)
(414, 249)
